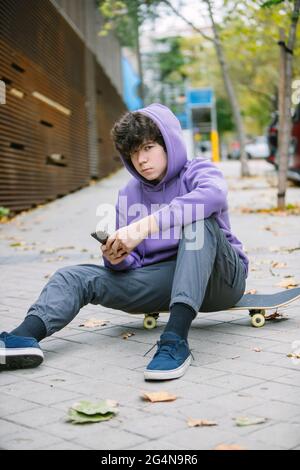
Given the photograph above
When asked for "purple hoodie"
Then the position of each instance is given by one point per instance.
(186, 183)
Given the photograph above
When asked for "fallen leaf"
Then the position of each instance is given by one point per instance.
(87, 412)
(257, 350)
(251, 291)
(274, 249)
(200, 422)
(229, 447)
(278, 265)
(158, 396)
(127, 335)
(48, 275)
(293, 355)
(94, 323)
(54, 250)
(47, 251)
(288, 283)
(290, 250)
(17, 244)
(51, 260)
(90, 408)
(245, 421)
(290, 209)
(275, 316)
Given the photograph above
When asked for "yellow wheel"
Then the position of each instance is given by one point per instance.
(149, 322)
(258, 320)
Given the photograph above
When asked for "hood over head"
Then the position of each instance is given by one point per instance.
(171, 131)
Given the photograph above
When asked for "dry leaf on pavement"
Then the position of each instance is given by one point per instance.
(288, 283)
(274, 249)
(94, 323)
(89, 412)
(251, 291)
(48, 275)
(278, 265)
(229, 447)
(293, 355)
(200, 422)
(16, 244)
(158, 396)
(275, 316)
(245, 421)
(127, 335)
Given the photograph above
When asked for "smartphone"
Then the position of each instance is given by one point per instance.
(101, 236)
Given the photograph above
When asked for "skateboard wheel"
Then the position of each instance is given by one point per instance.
(149, 322)
(258, 320)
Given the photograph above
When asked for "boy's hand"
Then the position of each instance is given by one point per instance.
(124, 240)
(111, 257)
(127, 238)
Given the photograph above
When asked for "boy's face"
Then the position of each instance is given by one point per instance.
(152, 157)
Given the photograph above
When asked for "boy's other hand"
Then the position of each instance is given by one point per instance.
(112, 257)
(126, 238)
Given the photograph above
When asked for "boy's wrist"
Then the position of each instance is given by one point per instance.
(149, 226)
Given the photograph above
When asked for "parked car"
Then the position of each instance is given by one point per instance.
(294, 150)
(256, 147)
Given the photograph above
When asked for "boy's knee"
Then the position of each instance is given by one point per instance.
(66, 272)
(209, 224)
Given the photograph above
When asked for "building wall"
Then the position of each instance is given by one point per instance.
(52, 140)
(87, 21)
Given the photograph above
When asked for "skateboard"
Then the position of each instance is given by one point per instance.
(257, 304)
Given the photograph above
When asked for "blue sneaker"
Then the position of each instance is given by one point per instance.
(171, 359)
(19, 352)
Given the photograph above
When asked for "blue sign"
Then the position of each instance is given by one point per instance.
(200, 97)
(131, 83)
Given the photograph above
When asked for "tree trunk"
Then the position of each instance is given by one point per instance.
(227, 81)
(138, 54)
(285, 91)
(231, 94)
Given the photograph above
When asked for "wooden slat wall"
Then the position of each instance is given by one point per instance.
(109, 109)
(40, 52)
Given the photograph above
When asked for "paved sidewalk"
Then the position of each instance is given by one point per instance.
(238, 370)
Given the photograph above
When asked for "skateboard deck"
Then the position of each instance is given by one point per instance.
(257, 304)
(266, 301)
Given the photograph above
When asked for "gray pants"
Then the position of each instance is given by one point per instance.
(208, 279)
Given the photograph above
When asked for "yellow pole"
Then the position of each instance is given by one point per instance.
(215, 146)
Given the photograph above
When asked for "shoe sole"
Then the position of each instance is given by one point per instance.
(11, 359)
(168, 374)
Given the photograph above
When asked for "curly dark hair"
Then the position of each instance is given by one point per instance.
(132, 130)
